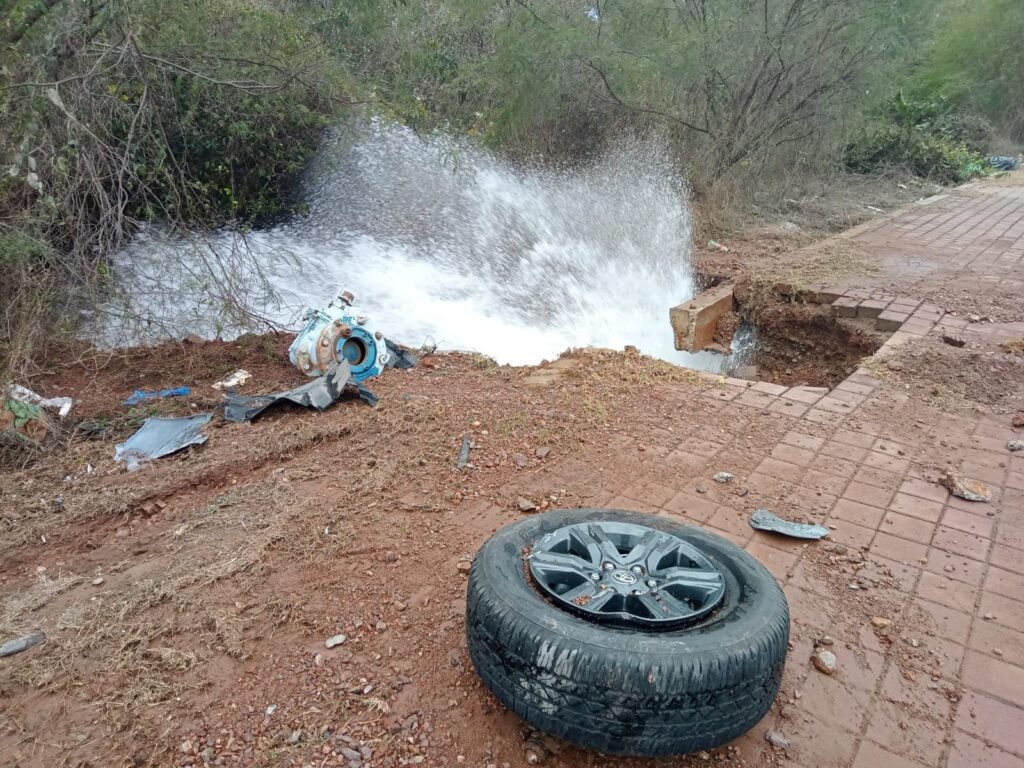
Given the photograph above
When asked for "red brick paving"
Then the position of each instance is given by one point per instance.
(948, 692)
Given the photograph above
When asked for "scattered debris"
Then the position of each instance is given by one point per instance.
(1015, 445)
(236, 379)
(763, 520)
(334, 641)
(525, 505)
(542, 452)
(958, 485)
(142, 395)
(717, 246)
(776, 739)
(19, 644)
(401, 357)
(319, 393)
(824, 661)
(722, 477)
(953, 341)
(159, 436)
(1004, 162)
(25, 395)
(463, 461)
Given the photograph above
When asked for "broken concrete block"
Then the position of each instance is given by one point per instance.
(695, 321)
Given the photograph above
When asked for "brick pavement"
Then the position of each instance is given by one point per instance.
(944, 687)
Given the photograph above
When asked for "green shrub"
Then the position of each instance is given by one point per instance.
(923, 136)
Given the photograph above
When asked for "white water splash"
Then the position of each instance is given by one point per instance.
(443, 242)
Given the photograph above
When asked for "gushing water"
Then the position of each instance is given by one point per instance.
(443, 242)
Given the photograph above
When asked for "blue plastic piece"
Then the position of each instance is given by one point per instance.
(142, 395)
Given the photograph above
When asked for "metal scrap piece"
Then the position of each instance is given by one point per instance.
(158, 437)
(318, 393)
(763, 520)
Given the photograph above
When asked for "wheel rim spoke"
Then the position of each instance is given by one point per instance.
(626, 574)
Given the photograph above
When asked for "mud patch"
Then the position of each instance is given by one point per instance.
(803, 344)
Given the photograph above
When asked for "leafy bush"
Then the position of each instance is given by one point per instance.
(924, 137)
(193, 113)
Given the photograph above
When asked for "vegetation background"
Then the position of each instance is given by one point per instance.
(201, 113)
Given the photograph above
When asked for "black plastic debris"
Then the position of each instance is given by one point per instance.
(159, 436)
(763, 520)
(400, 356)
(320, 393)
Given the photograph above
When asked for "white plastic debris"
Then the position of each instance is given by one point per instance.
(236, 379)
(25, 395)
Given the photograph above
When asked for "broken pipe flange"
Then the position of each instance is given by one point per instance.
(337, 333)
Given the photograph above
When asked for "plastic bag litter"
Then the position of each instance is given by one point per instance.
(142, 395)
(319, 393)
(236, 379)
(1001, 163)
(25, 395)
(158, 437)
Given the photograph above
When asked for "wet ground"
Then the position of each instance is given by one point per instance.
(186, 606)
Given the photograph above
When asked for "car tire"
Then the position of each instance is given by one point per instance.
(618, 688)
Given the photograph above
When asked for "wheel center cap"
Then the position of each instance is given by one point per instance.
(623, 577)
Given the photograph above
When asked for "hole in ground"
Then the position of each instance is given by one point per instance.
(798, 343)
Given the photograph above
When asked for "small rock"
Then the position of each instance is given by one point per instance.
(989, 616)
(521, 461)
(776, 739)
(98, 581)
(381, 626)
(400, 606)
(824, 661)
(295, 737)
(334, 641)
(826, 640)
(722, 477)
(542, 452)
(953, 341)
(997, 651)
(1018, 420)
(271, 710)
(1015, 445)
(701, 488)
(854, 586)
(525, 505)
(390, 557)
(894, 365)
(972, 318)
(742, 492)
(464, 566)
(971, 490)
(881, 623)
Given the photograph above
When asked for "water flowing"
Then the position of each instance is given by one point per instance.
(445, 243)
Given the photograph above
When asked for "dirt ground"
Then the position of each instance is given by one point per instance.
(186, 605)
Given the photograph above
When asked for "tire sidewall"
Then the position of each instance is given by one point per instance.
(750, 604)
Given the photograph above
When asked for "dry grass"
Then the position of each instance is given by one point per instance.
(1014, 346)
